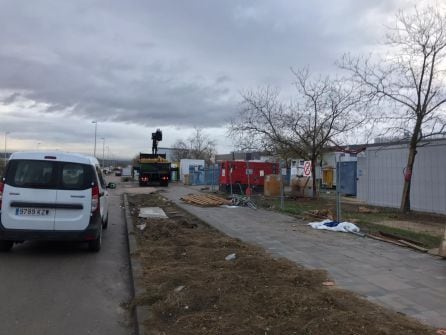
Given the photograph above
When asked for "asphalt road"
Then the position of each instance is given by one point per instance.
(62, 288)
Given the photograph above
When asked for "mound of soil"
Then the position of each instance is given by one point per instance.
(192, 288)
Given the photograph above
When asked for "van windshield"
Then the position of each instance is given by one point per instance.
(48, 175)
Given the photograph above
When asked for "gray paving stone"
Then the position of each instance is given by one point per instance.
(404, 280)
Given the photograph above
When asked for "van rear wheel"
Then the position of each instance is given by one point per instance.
(5, 245)
(105, 223)
(95, 245)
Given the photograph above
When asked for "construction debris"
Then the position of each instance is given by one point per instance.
(152, 213)
(320, 214)
(366, 210)
(141, 226)
(397, 240)
(413, 246)
(205, 200)
(328, 283)
(379, 237)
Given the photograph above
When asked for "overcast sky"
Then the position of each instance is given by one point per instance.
(135, 66)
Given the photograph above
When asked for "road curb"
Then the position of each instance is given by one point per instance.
(140, 312)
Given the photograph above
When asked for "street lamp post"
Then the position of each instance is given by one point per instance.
(6, 134)
(95, 134)
(103, 151)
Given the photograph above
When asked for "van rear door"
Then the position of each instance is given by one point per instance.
(29, 195)
(73, 199)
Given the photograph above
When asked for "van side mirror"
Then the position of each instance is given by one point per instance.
(111, 185)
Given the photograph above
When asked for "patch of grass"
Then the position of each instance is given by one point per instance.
(369, 217)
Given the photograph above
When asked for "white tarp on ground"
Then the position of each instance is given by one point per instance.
(152, 213)
(344, 227)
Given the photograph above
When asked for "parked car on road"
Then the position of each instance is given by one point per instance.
(52, 196)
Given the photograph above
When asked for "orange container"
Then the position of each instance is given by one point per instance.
(272, 185)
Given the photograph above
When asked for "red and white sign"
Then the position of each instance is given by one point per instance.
(307, 169)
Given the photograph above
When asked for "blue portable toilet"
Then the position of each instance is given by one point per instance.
(347, 177)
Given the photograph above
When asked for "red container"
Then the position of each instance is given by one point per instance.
(245, 173)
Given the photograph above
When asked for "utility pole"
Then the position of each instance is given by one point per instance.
(95, 134)
(103, 151)
(6, 134)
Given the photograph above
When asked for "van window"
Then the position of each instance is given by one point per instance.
(31, 174)
(49, 175)
(75, 176)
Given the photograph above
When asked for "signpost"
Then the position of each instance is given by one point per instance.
(307, 169)
(283, 173)
(338, 187)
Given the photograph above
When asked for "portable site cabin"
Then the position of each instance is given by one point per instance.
(241, 174)
(381, 175)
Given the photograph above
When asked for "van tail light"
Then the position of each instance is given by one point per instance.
(2, 187)
(94, 198)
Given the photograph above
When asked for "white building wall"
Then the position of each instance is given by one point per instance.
(380, 176)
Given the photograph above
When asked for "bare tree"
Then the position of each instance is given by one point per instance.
(325, 109)
(180, 151)
(201, 145)
(198, 146)
(411, 79)
(135, 160)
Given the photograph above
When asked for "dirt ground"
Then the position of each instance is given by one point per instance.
(192, 289)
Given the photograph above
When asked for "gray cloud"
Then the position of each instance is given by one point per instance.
(171, 63)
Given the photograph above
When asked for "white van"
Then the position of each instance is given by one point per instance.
(52, 196)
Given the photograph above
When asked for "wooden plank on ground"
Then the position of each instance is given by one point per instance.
(381, 238)
(397, 237)
(413, 246)
(205, 200)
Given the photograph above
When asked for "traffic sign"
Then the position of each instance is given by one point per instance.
(307, 169)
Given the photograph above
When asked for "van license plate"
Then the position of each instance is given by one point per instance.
(32, 211)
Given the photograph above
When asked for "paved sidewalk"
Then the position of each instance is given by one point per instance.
(406, 281)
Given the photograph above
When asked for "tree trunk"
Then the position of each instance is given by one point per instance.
(313, 174)
(405, 199)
